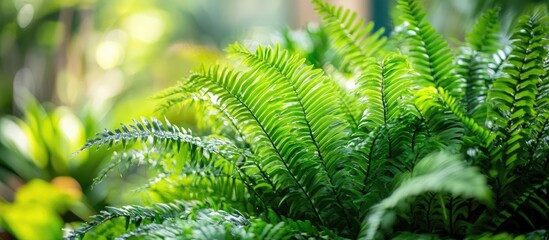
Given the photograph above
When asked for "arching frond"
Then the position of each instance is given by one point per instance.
(484, 37)
(443, 124)
(164, 135)
(386, 87)
(134, 214)
(320, 110)
(494, 218)
(435, 173)
(258, 105)
(429, 53)
(513, 96)
(353, 40)
(473, 63)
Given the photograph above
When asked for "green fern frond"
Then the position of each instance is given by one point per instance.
(542, 107)
(484, 37)
(319, 109)
(429, 53)
(479, 131)
(473, 64)
(513, 96)
(134, 214)
(345, 87)
(258, 105)
(440, 172)
(497, 64)
(494, 218)
(444, 126)
(473, 67)
(354, 42)
(166, 135)
(387, 89)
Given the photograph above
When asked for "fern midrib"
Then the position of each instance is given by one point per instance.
(384, 105)
(279, 154)
(354, 122)
(368, 169)
(264, 175)
(423, 121)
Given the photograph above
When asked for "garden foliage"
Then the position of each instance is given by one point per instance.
(428, 140)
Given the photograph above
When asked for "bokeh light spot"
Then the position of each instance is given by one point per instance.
(147, 27)
(25, 15)
(109, 54)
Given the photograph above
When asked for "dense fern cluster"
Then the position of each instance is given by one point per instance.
(430, 140)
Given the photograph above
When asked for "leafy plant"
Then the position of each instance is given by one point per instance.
(443, 145)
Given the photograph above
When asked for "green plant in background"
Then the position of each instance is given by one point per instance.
(35, 213)
(39, 148)
(420, 144)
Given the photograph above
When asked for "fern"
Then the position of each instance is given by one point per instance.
(319, 110)
(484, 37)
(473, 64)
(495, 218)
(389, 98)
(278, 150)
(132, 214)
(429, 53)
(167, 135)
(433, 173)
(353, 41)
(439, 118)
(514, 95)
(388, 91)
(496, 66)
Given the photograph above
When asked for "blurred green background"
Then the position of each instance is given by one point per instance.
(70, 68)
